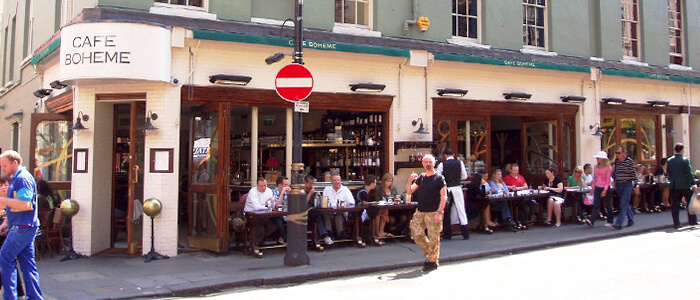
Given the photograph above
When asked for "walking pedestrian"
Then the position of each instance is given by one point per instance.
(601, 193)
(431, 193)
(23, 225)
(454, 172)
(682, 183)
(625, 176)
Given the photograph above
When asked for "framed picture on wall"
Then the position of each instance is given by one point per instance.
(162, 160)
(80, 160)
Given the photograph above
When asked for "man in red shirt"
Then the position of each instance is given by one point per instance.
(526, 208)
(514, 180)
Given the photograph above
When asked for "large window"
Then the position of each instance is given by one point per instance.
(197, 3)
(353, 12)
(675, 28)
(638, 134)
(630, 29)
(465, 19)
(534, 23)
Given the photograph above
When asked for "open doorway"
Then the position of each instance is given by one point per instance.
(128, 171)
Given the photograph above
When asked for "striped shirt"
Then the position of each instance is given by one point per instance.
(625, 170)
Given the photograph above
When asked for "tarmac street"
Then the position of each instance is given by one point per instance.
(645, 266)
(108, 277)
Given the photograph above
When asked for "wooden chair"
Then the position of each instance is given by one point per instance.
(41, 242)
(54, 232)
(237, 228)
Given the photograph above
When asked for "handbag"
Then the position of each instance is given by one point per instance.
(694, 205)
(588, 199)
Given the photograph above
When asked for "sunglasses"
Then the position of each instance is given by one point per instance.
(578, 171)
(619, 152)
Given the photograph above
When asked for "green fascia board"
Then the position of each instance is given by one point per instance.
(654, 76)
(46, 51)
(288, 42)
(510, 62)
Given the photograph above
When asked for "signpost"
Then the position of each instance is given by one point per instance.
(293, 83)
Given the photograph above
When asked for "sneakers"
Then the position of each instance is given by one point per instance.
(588, 223)
(429, 266)
(328, 241)
(636, 211)
(608, 224)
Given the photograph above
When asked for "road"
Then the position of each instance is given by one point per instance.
(657, 265)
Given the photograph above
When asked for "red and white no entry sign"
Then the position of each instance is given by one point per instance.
(294, 82)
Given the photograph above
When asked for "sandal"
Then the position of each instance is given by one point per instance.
(547, 223)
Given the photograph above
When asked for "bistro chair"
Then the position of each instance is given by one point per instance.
(41, 242)
(54, 232)
(237, 222)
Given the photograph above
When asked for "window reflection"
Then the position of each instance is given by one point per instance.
(608, 141)
(648, 146)
(628, 136)
(540, 146)
(54, 151)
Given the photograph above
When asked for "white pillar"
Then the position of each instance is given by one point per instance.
(253, 146)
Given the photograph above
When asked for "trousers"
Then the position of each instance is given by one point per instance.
(677, 196)
(19, 244)
(430, 243)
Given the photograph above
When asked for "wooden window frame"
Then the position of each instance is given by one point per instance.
(634, 37)
(532, 42)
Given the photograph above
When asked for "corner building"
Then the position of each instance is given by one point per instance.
(114, 102)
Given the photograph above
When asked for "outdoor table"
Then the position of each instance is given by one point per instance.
(253, 217)
(354, 216)
(514, 197)
(408, 208)
(575, 195)
(648, 192)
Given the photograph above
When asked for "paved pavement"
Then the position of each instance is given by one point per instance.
(104, 277)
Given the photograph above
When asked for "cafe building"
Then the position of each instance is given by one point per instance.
(186, 111)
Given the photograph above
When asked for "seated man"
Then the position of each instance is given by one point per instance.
(526, 208)
(260, 198)
(314, 217)
(338, 195)
(281, 194)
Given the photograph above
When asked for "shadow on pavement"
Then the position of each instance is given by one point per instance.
(403, 275)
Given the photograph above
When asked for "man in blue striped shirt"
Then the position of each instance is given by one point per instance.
(625, 175)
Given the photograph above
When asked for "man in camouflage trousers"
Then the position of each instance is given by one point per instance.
(430, 190)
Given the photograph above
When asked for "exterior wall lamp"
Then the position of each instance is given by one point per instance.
(367, 87)
(573, 99)
(597, 132)
(41, 93)
(517, 96)
(658, 103)
(149, 126)
(421, 129)
(57, 85)
(448, 92)
(78, 126)
(614, 101)
(230, 79)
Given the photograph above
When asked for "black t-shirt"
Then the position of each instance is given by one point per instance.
(428, 192)
(553, 185)
(363, 196)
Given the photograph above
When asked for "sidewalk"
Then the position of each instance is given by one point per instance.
(103, 277)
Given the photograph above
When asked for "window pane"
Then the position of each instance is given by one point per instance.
(339, 5)
(648, 128)
(54, 151)
(608, 142)
(363, 13)
(628, 136)
(566, 148)
(540, 146)
(205, 151)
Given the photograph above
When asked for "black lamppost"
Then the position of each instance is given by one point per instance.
(297, 208)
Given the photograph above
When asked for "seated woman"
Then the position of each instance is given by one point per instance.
(577, 180)
(477, 201)
(46, 199)
(556, 190)
(386, 191)
(498, 187)
(664, 191)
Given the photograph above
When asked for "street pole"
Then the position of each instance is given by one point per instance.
(296, 226)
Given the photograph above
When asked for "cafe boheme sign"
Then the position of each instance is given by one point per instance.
(115, 51)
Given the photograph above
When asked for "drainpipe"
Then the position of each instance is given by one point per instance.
(414, 21)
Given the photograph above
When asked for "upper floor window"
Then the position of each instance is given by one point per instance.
(465, 19)
(534, 23)
(630, 29)
(675, 28)
(353, 12)
(197, 3)
(14, 144)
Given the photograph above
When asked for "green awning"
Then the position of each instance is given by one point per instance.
(46, 51)
(288, 42)
(654, 76)
(510, 62)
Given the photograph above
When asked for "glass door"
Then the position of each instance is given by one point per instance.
(51, 156)
(472, 144)
(208, 178)
(136, 140)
